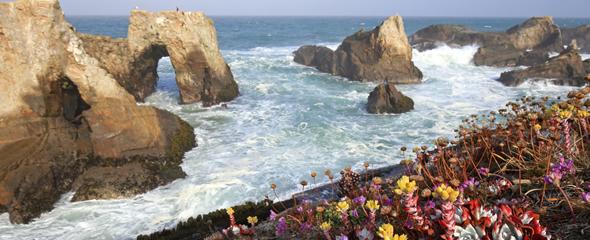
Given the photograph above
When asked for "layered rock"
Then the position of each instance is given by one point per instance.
(381, 54)
(565, 69)
(385, 98)
(189, 39)
(525, 44)
(581, 34)
(66, 124)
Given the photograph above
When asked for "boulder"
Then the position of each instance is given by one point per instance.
(381, 54)
(587, 65)
(525, 44)
(565, 69)
(66, 123)
(385, 98)
(188, 38)
(581, 34)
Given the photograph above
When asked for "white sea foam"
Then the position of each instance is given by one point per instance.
(288, 121)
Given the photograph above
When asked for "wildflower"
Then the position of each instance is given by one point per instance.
(586, 197)
(386, 231)
(484, 171)
(273, 215)
(281, 227)
(342, 237)
(305, 227)
(360, 200)
(469, 184)
(565, 114)
(320, 209)
(377, 180)
(314, 174)
(537, 127)
(354, 213)
(446, 193)
(326, 226)
(400, 237)
(583, 113)
(342, 206)
(273, 186)
(230, 211)
(372, 205)
(252, 220)
(559, 170)
(404, 185)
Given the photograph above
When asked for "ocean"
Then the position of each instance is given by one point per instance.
(288, 121)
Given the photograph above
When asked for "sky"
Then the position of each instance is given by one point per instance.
(456, 8)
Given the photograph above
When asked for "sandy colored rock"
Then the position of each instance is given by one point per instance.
(62, 116)
(385, 98)
(382, 54)
(188, 38)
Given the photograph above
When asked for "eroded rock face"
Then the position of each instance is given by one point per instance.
(381, 54)
(66, 123)
(189, 38)
(565, 69)
(525, 44)
(385, 98)
(581, 34)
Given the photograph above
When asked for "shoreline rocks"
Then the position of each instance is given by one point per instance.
(385, 98)
(581, 34)
(188, 38)
(66, 124)
(382, 54)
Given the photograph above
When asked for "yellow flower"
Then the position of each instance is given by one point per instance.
(583, 114)
(555, 108)
(400, 237)
(252, 220)
(342, 206)
(230, 211)
(386, 231)
(446, 193)
(537, 127)
(565, 114)
(404, 185)
(372, 205)
(325, 226)
(377, 180)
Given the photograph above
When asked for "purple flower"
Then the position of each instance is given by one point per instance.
(281, 227)
(354, 213)
(586, 196)
(484, 171)
(429, 205)
(273, 215)
(559, 170)
(548, 180)
(471, 183)
(342, 237)
(387, 202)
(360, 200)
(300, 209)
(305, 227)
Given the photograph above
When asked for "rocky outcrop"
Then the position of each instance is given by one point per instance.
(565, 69)
(581, 34)
(587, 65)
(385, 98)
(381, 54)
(67, 125)
(189, 38)
(525, 44)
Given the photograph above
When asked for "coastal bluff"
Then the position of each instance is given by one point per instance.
(382, 54)
(188, 38)
(67, 124)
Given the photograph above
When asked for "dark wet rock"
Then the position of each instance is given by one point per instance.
(67, 125)
(581, 34)
(385, 98)
(455, 36)
(587, 65)
(508, 56)
(565, 69)
(377, 55)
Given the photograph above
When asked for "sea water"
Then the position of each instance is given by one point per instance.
(289, 120)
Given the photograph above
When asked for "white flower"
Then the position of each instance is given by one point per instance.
(467, 233)
(365, 234)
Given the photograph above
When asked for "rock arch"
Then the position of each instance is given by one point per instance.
(188, 38)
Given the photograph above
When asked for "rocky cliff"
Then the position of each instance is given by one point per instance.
(188, 38)
(67, 124)
(383, 54)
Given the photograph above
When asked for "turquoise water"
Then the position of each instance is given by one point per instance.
(289, 120)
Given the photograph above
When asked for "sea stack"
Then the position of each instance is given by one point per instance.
(385, 98)
(188, 38)
(382, 54)
(67, 125)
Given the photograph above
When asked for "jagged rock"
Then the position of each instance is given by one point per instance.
(565, 69)
(385, 98)
(581, 34)
(381, 54)
(62, 116)
(189, 38)
(525, 44)
(587, 65)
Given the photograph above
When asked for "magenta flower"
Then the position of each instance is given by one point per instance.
(281, 227)
(484, 171)
(273, 215)
(360, 200)
(586, 197)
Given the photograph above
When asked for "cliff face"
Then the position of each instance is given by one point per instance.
(381, 54)
(188, 38)
(67, 124)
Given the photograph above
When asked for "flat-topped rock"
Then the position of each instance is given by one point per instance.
(188, 38)
(381, 54)
(385, 98)
(66, 123)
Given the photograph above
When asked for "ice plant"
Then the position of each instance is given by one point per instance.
(386, 231)
(373, 206)
(448, 195)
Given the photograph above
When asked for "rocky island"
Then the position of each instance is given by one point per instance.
(69, 118)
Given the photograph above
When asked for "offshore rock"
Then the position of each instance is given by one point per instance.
(581, 34)
(188, 38)
(382, 54)
(66, 123)
(385, 98)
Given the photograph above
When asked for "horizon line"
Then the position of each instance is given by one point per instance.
(334, 16)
